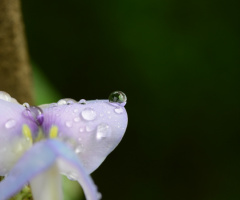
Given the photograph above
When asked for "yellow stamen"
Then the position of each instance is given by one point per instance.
(53, 133)
(27, 132)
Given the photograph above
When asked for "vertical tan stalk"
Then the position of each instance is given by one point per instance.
(15, 71)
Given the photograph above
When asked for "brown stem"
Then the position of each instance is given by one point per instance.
(15, 71)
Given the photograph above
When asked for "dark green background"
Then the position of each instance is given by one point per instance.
(178, 63)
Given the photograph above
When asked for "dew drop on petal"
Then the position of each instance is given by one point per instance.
(118, 110)
(89, 128)
(75, 110)
(5, 96)
(62, 102)
(103, 131)
(10, 123)
(118, 97)
(76, 119)
(89, 114)
(70, 101)
(68, 124)
(81, 129)
(82, 101)
(35, 114)
(26, 105)
(78, 149)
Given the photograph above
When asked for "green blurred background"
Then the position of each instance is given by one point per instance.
(177, 62)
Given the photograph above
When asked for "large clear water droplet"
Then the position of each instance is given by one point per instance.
(103, 131)
(118, 97)
(118, 110)
(10, 123)
(89, 114)
(34, 113)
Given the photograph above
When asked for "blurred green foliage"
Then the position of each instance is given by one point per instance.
(44, 92)
(178, 63)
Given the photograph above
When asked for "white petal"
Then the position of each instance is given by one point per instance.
(47, 185)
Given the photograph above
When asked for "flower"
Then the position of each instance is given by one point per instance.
(37, 144)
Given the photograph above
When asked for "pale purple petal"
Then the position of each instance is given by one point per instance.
(96, 128)
(12, 141)
(38, 159)
(70, 165)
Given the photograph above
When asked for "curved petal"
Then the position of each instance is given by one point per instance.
(70, 165)
(13, 142)
(92, 129)
(40, 158)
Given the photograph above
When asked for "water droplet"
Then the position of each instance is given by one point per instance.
(103, 131)
(35, 114)
(65, 101)
(78, 149)
(26, 105)
(75, 110)
(70, 101)
(89, 114)
(5, 96)
(89, 128)
(81, 129)
(118, 110)
(10, 123)
(76, 119)
(68, 124)
(62, 102)
(118, 97)
(82, 101)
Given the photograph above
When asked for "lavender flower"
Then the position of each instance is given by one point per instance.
(37, 144)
